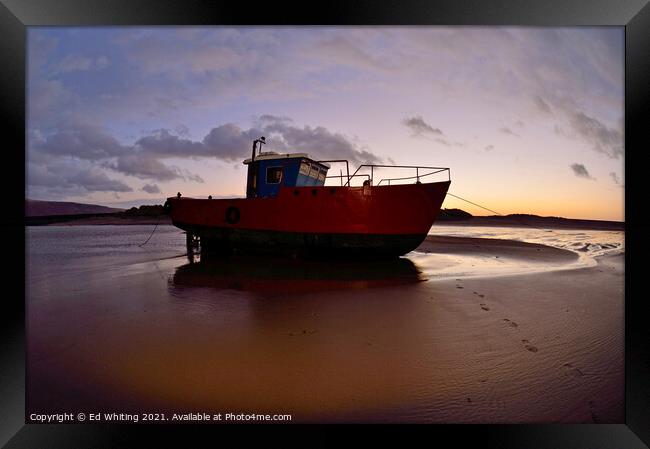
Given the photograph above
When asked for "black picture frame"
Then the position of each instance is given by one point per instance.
(634, 15)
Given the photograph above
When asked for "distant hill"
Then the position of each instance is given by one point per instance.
(453, 215)
(460, 217)
(36, 208)
(144, 211)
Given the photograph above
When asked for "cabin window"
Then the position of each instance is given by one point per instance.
(274, 175)
(305, 168)
(321, 174)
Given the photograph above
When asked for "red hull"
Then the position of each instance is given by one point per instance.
(398, 209)
(395, 218)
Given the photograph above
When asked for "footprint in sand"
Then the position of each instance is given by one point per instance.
(304, 332)
(484, 307)
(528, 346)
(510, 323)
(594, 416)
(575, 371)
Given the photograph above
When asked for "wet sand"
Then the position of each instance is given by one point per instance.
(509, 249)
(337, 342)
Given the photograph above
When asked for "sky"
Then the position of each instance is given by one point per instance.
(528, 119)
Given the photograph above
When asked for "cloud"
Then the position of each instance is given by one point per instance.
(70, 178)
(94, 180)
(341, 50)
(182, 130)
(616, 179)
(82, 141)
(541, 105)
(144, 158)
(74, 63)
(419, 127)
(229, 142)
(269, 118)
(509, 131)
(489, 148)
(318, 142)
(577, 124)
(162, 143)
(45, 97)
(605, 140)
(193, 178)
(580, 171)
(144, 166)
(141, 160)
(151, 188)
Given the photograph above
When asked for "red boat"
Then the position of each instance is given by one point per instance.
(288, 209)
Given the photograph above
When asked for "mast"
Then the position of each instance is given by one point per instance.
(261, 141)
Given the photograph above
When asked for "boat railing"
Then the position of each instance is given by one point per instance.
(418, 176)
(342, 176)
(417, 168)
(347, 167)
(370, 177)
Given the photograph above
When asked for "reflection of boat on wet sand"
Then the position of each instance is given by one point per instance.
(289, 209)
(249, 273)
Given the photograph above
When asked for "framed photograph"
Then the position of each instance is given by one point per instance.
(360, 214)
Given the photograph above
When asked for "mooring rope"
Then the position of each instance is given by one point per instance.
(478, 205)
(154, 230)
(518, 219)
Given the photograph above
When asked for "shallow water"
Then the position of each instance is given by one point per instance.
(53, 250)
(585, 242)
(112, 326)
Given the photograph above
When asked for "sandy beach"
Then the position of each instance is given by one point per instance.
(393, 341)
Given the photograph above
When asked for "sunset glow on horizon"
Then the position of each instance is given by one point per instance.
(529, 120)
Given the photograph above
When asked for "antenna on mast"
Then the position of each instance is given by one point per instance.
(261, 141)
